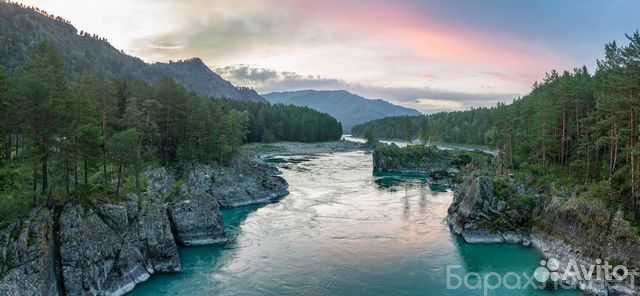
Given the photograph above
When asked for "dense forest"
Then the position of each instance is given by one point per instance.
(574, 127)
(62, 139)
(459, 127)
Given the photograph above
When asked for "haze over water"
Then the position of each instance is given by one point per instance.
(342, 231)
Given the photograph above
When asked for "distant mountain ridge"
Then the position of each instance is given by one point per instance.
(22, 28)
(348, 108)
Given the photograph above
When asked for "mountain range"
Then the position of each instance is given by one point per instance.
(348, 108)
(21, 28)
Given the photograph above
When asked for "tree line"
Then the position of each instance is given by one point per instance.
(38, 10)
(573, 127)
(90, 136)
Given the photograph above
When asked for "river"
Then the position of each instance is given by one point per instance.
(344, 232)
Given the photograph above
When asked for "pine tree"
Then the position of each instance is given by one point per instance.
(43, 88)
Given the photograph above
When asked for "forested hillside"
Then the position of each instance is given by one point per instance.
(460, 127)
(574, 127)
(22, 28)
(90, 137)
(350, 109)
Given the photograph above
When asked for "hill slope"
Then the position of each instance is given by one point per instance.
(22, 28)
(350, 109)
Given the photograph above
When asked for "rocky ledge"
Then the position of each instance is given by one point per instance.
(563, 228)
(106, 248)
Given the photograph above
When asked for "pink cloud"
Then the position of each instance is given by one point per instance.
(399, 24)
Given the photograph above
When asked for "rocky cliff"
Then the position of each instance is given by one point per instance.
(564, 227)
(106, 248)
(28, 256)
(491, 209)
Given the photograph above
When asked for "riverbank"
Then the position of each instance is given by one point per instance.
(563, 225)
(579, 235)
(108, 247)
(342, 231)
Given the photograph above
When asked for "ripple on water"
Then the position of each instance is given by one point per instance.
(341, 231)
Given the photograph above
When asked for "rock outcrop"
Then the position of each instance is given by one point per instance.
(27, 256)
(108, 249)
(480, 213)
(246, 183)
(566, 228)
(197, 222)
(193, 211)
(194, 202)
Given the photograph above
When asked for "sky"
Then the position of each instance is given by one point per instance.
(431, 55)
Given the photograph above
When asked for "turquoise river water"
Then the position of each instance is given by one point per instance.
(344, 232)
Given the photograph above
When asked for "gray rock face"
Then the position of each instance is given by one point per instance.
(197, 222)
(27, 256)
(246, 183)
(472, 205)
(160, 182)
(110, 249)
(476, 206)
(574, 232)
(195, 204)
(196, 216)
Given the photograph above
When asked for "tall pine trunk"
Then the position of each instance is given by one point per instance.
(7, 148)
(75, 174)
(67, 177)
(119, 183)
(45, 174)
(634, 161)
(86, 172)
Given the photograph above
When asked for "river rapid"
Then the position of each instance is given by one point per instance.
(344, 232)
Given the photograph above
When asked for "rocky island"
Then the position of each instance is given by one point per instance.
(439, 166)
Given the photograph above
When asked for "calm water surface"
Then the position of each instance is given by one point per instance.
(342, 232)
